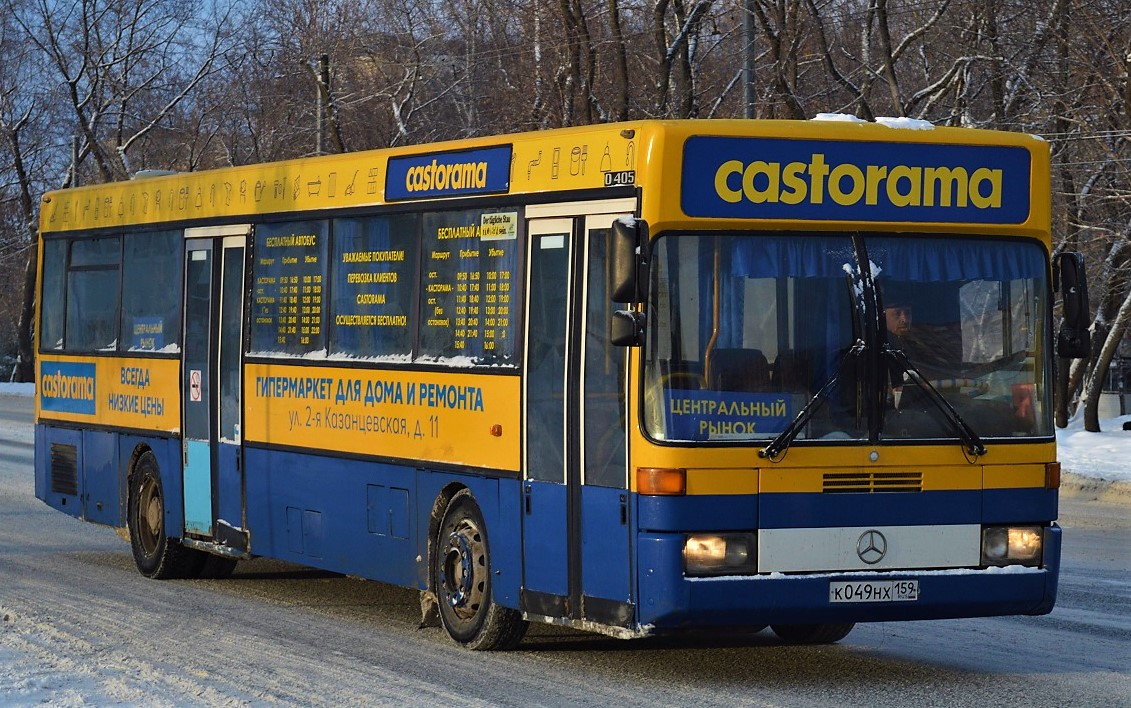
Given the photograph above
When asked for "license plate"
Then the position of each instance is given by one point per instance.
(874, 591)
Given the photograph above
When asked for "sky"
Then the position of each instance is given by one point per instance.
(1105, 455)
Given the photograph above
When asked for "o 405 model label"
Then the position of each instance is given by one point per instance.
(624, 178)
(874, 591)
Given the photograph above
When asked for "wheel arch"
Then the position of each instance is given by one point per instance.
(439, 507)
(167, 452)
(499, 501)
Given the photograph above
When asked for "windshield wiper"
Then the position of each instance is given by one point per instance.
(969, 438)
(782, 442)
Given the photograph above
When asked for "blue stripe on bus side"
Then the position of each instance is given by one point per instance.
(818, 510)
(717, 512)
(351, 516)
(1001, 506)
(101, 472)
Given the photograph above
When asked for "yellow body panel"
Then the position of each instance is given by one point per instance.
(436, 416)
(541, 162)
(120, 392)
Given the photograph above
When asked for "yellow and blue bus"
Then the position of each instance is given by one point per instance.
(631, 378)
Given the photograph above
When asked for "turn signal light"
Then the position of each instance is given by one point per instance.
(661, 481)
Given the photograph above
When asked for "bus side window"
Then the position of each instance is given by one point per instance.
(52, 309)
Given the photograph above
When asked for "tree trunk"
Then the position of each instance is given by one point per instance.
(1099, 372)
(1060, 398)
(25, 366)
(620, 64)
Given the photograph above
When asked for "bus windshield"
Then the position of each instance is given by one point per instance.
(745, 330)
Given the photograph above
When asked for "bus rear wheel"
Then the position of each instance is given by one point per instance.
(812, 633)
(155, 553)
(461, 574)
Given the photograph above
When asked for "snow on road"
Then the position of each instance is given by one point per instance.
(1105, 455)
(33, 670)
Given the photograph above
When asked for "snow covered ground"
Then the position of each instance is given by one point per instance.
(1105, 455)
(41, 664)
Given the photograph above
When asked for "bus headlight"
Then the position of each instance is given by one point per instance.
(1010, 545)
(720, 554)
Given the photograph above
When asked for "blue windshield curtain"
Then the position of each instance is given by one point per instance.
(796, 256)
(950, 260)
(912, 259)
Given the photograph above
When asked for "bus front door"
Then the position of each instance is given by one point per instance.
(214, 505)
(576, 516)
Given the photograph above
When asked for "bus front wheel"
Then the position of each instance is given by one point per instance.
(461, 573)
(156, 555)
(812, 633)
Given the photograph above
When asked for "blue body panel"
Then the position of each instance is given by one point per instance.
(373, 520)
(606, 566)
(229, 485)
(101, 487)
(370, 519)
(544, 538)
(102, 471)
(722, 512)
(1004, 506)
(782, 511)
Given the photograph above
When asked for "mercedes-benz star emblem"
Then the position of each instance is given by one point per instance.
(872, 546)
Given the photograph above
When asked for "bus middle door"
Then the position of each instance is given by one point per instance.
(214, 505)
(576, 525)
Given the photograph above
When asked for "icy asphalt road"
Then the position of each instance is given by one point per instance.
(80, 626)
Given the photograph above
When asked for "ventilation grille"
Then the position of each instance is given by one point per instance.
(868, 482)
(64, 469)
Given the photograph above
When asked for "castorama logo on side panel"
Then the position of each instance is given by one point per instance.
(449, 174)
(67, 387)
(824, 180)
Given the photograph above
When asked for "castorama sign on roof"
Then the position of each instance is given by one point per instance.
(449, 174)
(826, 180)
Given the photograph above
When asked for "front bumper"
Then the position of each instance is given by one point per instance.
(669, 600)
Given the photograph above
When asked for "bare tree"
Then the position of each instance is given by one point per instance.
(121, 69)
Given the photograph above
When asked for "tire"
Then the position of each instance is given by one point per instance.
(812, 633)
(155, 553)
(461, 574)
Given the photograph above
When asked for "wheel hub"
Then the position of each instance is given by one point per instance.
(153, 515)
(462, 588)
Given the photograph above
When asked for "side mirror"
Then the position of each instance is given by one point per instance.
(626, 329)
(629, 260)
(1073, 341)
